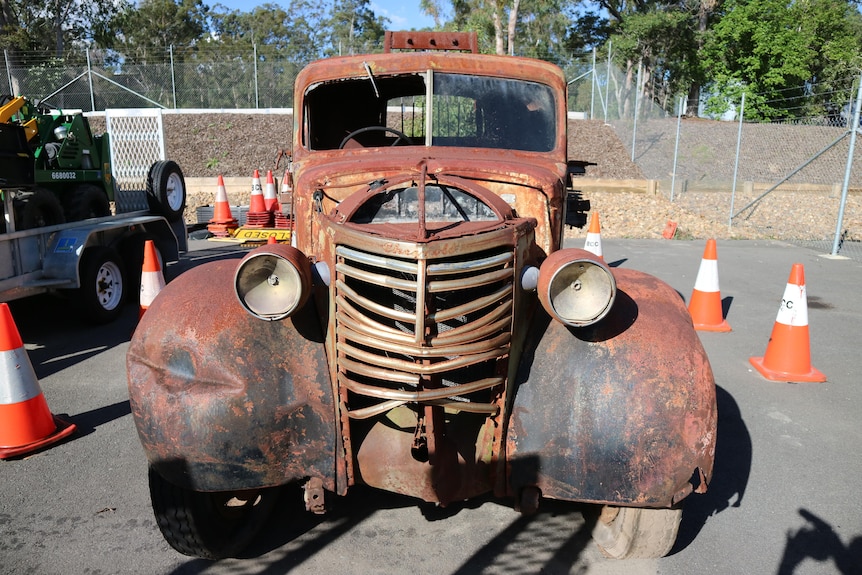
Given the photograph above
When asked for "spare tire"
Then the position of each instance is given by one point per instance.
(166, 190)
(87, 201)
(39, 209)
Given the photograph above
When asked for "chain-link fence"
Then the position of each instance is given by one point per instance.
(797, 179)
(184, 79)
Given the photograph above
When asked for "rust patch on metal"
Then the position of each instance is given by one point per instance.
(621, 412)
(218, 403)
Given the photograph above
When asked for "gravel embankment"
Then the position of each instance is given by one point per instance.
(206, 145)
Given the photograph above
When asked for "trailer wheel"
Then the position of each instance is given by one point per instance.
(166, 190)
(38, 209)
(209, 525)
(103, 285)
(87, 201)
(630, 533)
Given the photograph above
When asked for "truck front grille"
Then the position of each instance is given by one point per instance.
(426, 331)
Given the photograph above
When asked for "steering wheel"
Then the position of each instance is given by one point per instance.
(401, 135)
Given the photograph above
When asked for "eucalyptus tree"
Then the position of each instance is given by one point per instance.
(33, 33)
(782, 54)
(354, 28)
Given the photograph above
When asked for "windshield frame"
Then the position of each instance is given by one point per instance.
(530, 106)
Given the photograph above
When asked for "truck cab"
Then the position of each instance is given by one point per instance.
(426, 333)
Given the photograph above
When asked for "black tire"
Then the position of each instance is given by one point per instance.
(209, 525)
(635, 533)
(39, 209)
(87, 201)
(166, 190)
(103, 284)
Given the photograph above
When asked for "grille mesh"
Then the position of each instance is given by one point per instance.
(433, 331)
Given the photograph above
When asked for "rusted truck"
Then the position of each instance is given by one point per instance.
(426, 333)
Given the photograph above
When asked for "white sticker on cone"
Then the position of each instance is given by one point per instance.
(794, 307)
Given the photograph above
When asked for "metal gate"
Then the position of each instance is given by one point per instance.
(137, 141)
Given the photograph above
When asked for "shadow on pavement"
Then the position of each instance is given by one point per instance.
(550, 541)
(733, 458)
(817, 540)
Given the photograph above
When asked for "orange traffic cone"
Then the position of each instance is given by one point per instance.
(705, 303)
(284, 205)
(258, 216)
(594, 236)
(269, 196)
(152, 280)
(222, 221)
(271, 240)
(788, 355)
(26, 423)
(257, 203)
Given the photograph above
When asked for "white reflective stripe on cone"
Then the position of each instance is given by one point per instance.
(23, 385)
(707, 276)
(151, 284)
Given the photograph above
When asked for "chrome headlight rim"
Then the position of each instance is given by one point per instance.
(576, 287)
(273, 281)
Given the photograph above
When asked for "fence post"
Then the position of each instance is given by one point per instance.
(676, 149)
(736, 162)
(854, 129)
(173, 78)
(256, 101)
(90, 81)
(593, 88)
(637, 106)
(608, 82)
(8, 72)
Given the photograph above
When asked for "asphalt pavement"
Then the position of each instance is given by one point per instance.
(784, 498)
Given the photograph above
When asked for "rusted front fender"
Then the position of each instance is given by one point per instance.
(223, 401)
(622, 412)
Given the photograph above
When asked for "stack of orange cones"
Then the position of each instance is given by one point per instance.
(282, 220)
(222, 223)
(594, 236)
(788, 353)
(258, 216)
(269, 196)
(26, 423)
(705, 303)
(152, 279)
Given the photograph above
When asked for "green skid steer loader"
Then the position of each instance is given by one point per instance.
(71, 177)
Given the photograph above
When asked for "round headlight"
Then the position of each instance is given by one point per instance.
(273, 281)
(576, 287)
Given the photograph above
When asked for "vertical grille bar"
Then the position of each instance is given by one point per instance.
(470, 295)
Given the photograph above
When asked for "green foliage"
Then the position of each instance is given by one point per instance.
(778, 51)
(152, 27)
(354, 28)
(788, 56)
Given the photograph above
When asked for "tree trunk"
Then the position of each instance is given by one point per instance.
(8, 21)
(513, 20)
(705, 10)
(498, 27)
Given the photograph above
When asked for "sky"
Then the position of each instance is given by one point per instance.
(402, 14)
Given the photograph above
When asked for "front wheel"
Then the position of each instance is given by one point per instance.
(636, 533)
(209, 525)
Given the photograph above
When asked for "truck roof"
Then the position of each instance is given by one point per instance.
(393, 63)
